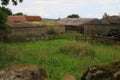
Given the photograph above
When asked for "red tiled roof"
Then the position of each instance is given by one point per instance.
(16, 18)
(24, 18)
(33, 18)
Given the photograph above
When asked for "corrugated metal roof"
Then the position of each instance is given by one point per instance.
(78, 21)
(112, 20)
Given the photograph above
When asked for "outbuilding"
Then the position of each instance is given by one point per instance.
(34, 28)
(77, 24)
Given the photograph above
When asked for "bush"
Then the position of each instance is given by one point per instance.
(51, 31)
(77, 49)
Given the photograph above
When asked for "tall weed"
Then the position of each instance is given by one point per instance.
(77, 49)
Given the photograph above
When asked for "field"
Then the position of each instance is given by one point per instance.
(59, 57)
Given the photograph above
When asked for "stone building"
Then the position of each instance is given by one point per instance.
(77, 24)
(34, 28)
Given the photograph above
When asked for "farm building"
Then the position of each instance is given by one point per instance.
(24, 18)
(100, 29)
(77, 24)
(112, 20)
(34, 28)
(107, 25)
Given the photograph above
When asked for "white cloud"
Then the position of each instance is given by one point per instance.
(62, 8)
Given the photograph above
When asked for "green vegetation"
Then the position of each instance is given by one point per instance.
(14, 2)
(6, 10)
(73, 16)
(51, 32)
(19, 14)
(4, 28)
(105, 15)
(58, 57)
(3, 20)
(76, 49)
(68, 35)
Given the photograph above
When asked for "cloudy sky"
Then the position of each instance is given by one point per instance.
(62, 8)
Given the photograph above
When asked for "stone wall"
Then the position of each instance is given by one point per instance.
(34, 30)
(109, 71)
(29, 30)
(23, 72)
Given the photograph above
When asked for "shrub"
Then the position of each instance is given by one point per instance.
(77, 49)
(51, 31)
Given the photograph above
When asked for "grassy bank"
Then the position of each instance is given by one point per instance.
(58, 57)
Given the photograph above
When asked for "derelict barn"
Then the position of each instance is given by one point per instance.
(34, 28)
(78, 24)
(111, 24)
(23, 25)
(99, 29)
(24, 28)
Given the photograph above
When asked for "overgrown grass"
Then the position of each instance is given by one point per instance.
(68, 35)
(77, 49)
(58, 57)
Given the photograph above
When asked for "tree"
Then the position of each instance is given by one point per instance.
(19, 14)
(6, 10)
(4, 28)
(73, 16)
(3, 17)
(105, 15)
(3, 20)
(14, 2)
(59, 18)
